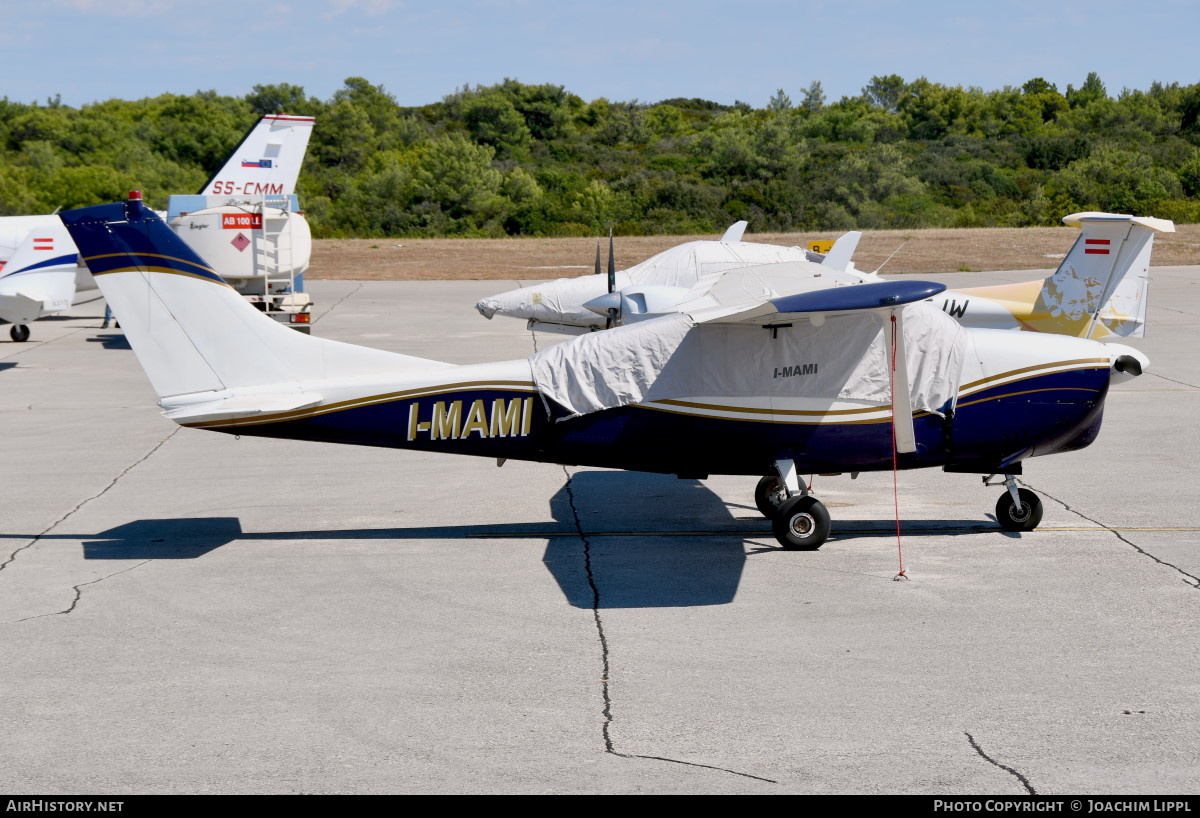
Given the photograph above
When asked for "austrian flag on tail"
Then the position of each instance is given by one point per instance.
(43, 244)
(1091, 246)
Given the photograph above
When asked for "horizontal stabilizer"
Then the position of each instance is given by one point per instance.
(1158, 225)
(19, 309)
(238, 406)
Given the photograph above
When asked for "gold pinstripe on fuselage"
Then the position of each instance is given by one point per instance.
(855, 416)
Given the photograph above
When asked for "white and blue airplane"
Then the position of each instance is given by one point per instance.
(1098, 291)
(265, 163)
(39, 279)
(750, 378)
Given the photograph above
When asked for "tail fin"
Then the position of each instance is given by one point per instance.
(268, 160)
(1110, 249)
(190, 330)
(839, 255)
(39, 279)
(735, 231)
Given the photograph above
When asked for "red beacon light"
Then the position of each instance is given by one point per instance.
(135, 195)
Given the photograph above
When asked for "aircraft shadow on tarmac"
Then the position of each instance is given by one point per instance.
(111, 341)
(617, 539)
(645, 541)
(6, 366)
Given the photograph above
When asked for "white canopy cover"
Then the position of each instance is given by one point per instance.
(673, 357)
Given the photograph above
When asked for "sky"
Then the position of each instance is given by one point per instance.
(85, 51)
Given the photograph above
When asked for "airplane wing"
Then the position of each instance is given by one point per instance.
(815, 304)
(827, 346)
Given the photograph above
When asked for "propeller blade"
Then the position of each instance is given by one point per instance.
(614, 313)
(597, 256)
(612, 267)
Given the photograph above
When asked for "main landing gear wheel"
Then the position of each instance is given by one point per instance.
(1019, 518)
(801, 524)
(770, 494)
(19, 333)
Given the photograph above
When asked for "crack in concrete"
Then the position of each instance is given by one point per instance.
(337, 303)
(79, 594)
(1195, 581)
(1180, 312)
(25, 346)
(1024, 781)
(1172, 380)
(606, 730)
(83, 503)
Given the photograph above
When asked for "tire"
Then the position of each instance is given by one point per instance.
(1024, 518)
(769, 495)
(802, 524)
(19, 333)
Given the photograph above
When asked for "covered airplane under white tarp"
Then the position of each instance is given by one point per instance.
(561, 300)
(843, 358)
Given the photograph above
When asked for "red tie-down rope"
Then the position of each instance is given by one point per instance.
(895, 464)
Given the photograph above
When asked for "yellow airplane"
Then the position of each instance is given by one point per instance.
(1098, 291)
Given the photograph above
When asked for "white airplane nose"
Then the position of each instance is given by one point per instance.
(1127, 362)
(487, 307)
(519, 303)
(602, 304)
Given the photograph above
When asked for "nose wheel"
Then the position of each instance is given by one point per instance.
(19, 333)
(1019, 516)
(1018, 509)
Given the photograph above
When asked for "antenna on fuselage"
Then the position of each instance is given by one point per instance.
(889, 258)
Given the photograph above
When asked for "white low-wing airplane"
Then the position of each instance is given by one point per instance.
(749, 379)
(1099, 290)
(266, 162)
(581, 304)
(39, 279)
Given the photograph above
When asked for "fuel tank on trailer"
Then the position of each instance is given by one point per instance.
(249, 245)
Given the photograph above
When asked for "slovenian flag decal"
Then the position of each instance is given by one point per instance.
(261, 163)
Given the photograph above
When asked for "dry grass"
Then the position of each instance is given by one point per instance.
(910, 251)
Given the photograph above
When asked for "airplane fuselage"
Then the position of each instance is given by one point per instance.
(1045, 397)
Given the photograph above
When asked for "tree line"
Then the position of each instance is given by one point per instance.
(536, 160)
